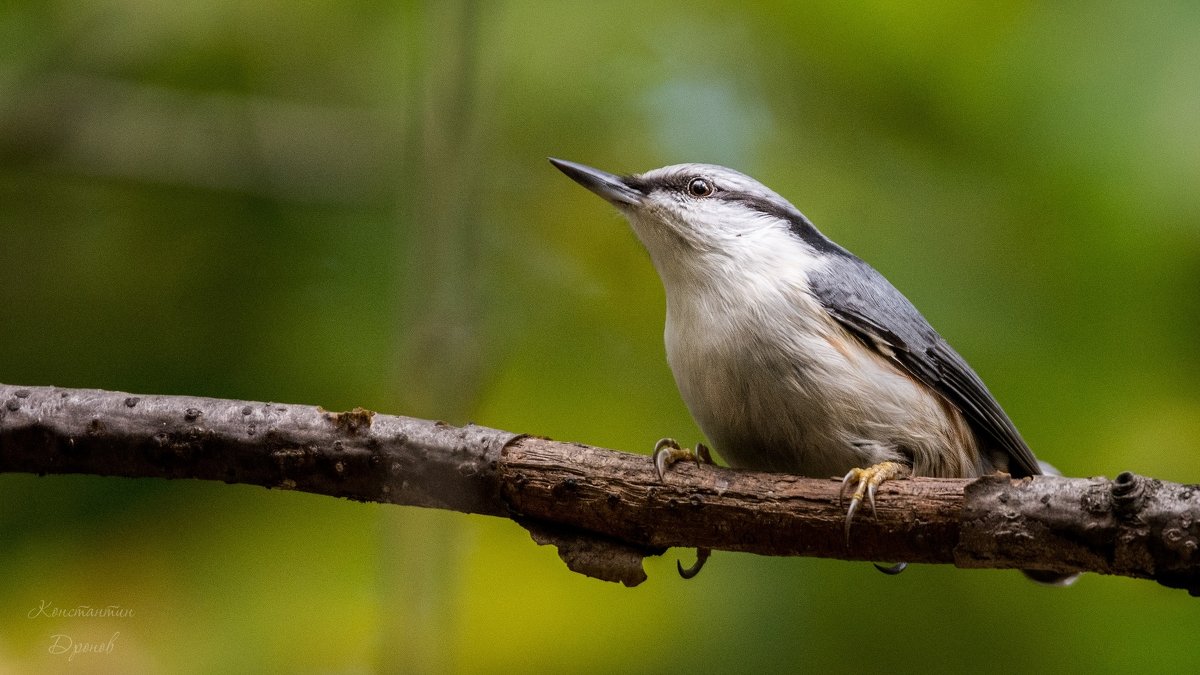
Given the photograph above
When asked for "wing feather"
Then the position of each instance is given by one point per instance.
(879, 315)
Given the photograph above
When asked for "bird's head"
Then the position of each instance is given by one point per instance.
(700, 215)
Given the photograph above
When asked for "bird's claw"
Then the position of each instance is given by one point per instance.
(701, 557)
(865, 482)
(666, 453)
(891, 570)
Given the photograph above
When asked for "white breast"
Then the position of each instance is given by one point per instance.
(777, 384)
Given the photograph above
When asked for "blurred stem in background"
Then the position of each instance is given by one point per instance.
(439, 350)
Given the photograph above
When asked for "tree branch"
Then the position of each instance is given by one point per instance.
(604, 509)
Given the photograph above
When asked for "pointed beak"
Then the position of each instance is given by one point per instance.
(610, 186)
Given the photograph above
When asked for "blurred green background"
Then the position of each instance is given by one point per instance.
(348, 203)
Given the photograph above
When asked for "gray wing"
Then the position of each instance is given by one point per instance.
(866, 304)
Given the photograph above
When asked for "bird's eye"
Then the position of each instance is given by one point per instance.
(700, 187)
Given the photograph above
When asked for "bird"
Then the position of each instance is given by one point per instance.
(792, 354)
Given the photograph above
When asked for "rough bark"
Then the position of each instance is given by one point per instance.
(603, 509)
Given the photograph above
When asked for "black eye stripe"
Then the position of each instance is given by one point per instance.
(797, 222)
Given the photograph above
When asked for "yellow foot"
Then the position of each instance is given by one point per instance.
(865, 481)
(666, 453)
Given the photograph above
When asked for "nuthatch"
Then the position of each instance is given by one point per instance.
(795, 356)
